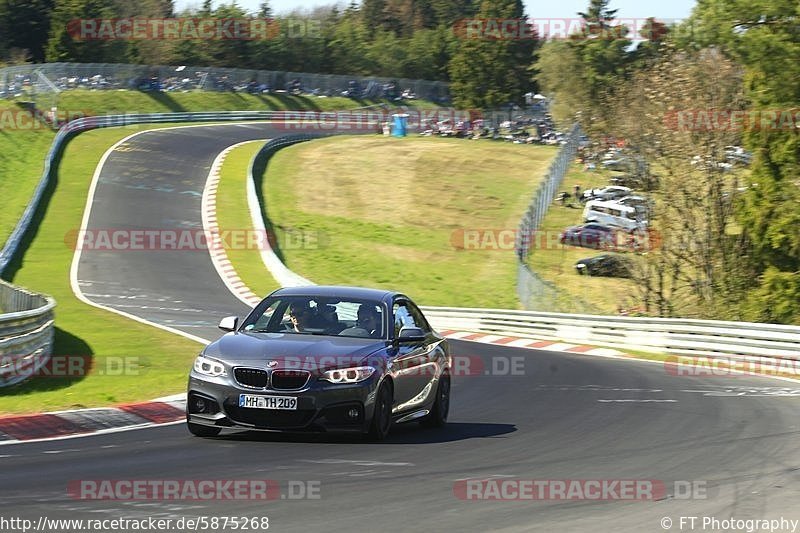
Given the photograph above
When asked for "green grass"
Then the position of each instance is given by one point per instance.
(22, 147)
(556, 263)
(383, 212)
(157, 361)
(234, 214)
(123, 101)
(22, 154)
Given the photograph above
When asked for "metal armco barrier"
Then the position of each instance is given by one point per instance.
(26, 333)
(26, 322)
(279, 271)
(661, 335)
(88, 123)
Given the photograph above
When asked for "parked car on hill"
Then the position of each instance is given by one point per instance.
(608, 265)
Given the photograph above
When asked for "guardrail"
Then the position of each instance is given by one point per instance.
(26, 322)
(276, 267)
(26, 333)
(88, 123)
(660, 335)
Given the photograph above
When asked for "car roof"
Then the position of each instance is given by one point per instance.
(336, 291)
(594, 225)
(609, 203)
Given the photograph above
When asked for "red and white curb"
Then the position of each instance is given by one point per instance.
(81, 422)
(211, 228)
(519, 342)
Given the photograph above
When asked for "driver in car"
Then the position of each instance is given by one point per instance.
(300, 315)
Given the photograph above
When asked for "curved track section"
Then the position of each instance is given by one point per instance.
(556, 416)
(154, 180)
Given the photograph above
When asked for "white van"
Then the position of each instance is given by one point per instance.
(613, 214)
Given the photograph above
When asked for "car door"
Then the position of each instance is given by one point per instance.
(414, 365)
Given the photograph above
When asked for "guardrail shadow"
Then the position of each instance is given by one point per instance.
(166, 100)
(72, 361)
(294, 102)
(32, 229)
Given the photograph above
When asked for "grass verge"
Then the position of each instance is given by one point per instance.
(233, 214)
(116, 359)
(387, 212)
(24, 142)
(555, 263)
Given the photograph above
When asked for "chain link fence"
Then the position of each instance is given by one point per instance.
(535, 293)
(26, 80)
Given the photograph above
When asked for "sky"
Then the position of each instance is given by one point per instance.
(673, 9)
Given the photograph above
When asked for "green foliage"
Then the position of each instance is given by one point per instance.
(62, 46)
(584, 73)
(762, 35)
(488, 72)
(389, 38)
(24, 25)
(777, 298)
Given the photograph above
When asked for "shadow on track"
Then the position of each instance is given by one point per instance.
(403, 434)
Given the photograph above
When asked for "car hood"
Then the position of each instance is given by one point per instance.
(293, 351)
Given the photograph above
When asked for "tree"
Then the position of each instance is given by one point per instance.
(763, 36)
(559, 73)
(701, 265)
(64, 46)
(429, 54)
(25, 25)
(492, 70)
(583, 73)
(348, 46)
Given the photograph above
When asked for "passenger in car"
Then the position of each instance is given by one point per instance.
(367, 325)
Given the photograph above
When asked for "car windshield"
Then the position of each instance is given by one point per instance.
(311, 315)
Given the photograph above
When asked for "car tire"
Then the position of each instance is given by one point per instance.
(199, 430)
(441, 405)
(382, 418)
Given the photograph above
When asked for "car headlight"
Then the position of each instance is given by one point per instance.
(209, 367)
(348, 375)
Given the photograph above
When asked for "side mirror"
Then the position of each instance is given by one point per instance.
(411, 335)
(229, 323)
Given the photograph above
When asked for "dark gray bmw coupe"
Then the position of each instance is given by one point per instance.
(322, 358)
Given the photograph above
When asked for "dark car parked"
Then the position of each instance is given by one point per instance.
(322, 359)
(591, 235)
(608, 265)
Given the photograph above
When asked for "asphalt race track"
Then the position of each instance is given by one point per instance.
(558, 417)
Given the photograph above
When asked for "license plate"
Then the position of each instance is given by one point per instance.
(283, 403)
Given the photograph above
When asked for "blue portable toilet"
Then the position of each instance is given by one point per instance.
(400, 124)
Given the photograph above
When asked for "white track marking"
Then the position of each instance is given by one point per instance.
(219, 258)
(75, 284)
(94, 433)
(637, 401)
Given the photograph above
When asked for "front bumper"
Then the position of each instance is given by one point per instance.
(321, 406)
